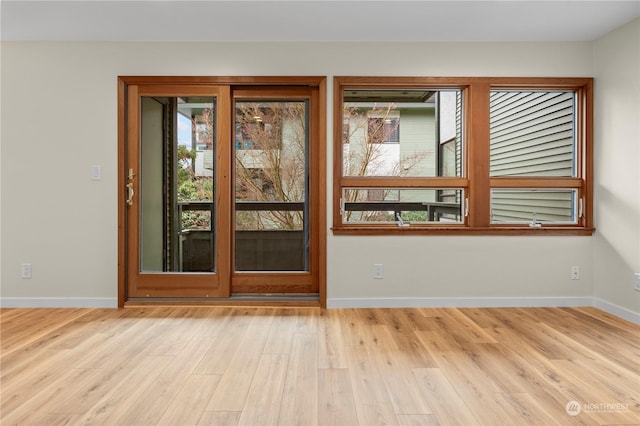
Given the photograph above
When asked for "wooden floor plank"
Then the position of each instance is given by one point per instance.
(263, 401)
(121, 396)
(392, 365)
(624, 327)
(372, 401)
(256, 365)
(531, 412)
(281, 333)
(220, 418)
(39, 402)
(218, 358)
(587, 389)
(410, 352)
(445, 402)
(331, 352)
(417, 420)
(299, 404)
(41, 325)
(39, 368)
(619, 378)
(474, 387)
(239, 374)
(190, 401)
(336, 403)
(156, 397)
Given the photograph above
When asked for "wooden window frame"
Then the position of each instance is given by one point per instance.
(475, 180)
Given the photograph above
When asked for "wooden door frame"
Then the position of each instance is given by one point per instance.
(318, 82)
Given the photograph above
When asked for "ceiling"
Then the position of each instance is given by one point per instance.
(307, 20)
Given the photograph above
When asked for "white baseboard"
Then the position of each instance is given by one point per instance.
(616, 310)
(58, 302)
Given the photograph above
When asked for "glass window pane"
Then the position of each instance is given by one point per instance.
(533, 206)
(402, 133)
(532, 133)
(402, 206)
(176, 178)
(271, 185)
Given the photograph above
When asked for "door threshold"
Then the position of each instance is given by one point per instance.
(275, 300)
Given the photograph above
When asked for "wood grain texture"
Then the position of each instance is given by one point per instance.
(191, 365)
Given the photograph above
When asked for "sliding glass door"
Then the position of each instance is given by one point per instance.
(221, 190)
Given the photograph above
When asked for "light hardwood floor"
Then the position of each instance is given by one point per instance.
(306, 366)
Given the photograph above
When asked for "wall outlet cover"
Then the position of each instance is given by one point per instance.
(25, 270)
(378, 271)
(575, 272)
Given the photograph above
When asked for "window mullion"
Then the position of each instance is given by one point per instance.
(404, 182)
(535, 182)
(477, 116)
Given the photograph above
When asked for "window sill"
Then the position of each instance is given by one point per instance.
(461, 230)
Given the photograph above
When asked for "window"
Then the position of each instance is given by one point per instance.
(383, 130)
(475, 155)
(533, 136)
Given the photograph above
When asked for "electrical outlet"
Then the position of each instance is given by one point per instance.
(636, 285)
(25, 270)
(378, 271)
(575, 272)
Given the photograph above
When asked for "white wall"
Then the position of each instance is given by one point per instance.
(59, 117)
(617, 167)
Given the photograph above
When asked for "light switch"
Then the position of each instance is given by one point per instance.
(96, 173)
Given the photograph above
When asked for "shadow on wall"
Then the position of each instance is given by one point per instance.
(621, 233)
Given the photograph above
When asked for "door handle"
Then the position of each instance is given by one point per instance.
(131, 193)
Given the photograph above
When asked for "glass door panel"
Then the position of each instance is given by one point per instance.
(177, 238)
(177, 187)
(271, 182)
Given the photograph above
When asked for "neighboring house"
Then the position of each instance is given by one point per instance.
(203, 161)
(532, 134)
(412, 133)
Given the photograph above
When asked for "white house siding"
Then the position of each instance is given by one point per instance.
(204, 163)
(532, 134)
(459, 134)
(450, 107)
(418, 141)
(519, 205)
(418, 148)
(447, 104)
